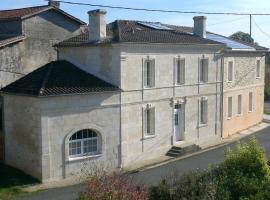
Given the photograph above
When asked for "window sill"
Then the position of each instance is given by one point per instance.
(258, 77)
(146, 137)
(203, 83)
(250, 111)
(148, 88)
(179, 84)
(84, 157)
(229, 118)
(238, 115)
(202, 125)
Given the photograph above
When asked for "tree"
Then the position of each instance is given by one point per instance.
(241, 36)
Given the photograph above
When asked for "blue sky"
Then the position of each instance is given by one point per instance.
(225, 25)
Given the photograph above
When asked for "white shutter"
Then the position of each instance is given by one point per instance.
(152, 121)
(182, 71)
(152, 73)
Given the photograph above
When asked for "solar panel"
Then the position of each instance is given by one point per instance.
(155, 25)
(229, 43)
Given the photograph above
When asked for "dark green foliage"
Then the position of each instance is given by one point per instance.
(244, 174)
(241, 36)
(267, 92)
(160, 192)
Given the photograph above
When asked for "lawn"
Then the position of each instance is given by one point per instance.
(12, 181)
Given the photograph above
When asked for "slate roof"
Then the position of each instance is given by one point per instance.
(134, 32)
(4, 41)
(22, 13)
(58, 78)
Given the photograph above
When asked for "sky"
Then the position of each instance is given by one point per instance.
(224, 25)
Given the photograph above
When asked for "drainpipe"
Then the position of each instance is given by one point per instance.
(221, 94)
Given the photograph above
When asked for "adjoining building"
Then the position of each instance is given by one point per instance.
(126, 93)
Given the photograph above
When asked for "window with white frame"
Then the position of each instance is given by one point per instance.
(203, 70)
(258, 69)
(149, 121)
(149, 73)
(230, 106)
(239, 104)
(203, 111)
(180, 71)
(230, 71)
(250, 101)
(83, 143)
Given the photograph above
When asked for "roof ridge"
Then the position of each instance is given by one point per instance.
(24, 8)
(42, 88)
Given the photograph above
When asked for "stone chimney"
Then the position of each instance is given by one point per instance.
(199, 28)
(97, 25)
(53, 4)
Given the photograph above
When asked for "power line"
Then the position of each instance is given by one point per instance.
(227, 21)
(160, 10)
(260, 29)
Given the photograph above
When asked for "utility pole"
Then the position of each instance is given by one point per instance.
(250, 25)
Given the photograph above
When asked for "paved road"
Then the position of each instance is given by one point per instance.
(154, 175)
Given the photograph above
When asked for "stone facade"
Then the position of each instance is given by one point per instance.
(42, 31)
(244, 81)
(40, 148)
(122, 65)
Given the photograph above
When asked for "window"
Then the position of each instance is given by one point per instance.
(239, 104)
(180, 71)
(229, 107)
(203, 111)
(258, 69)
(250, 102)
(149, 115)
(149, 73)
(203, 70)
(83, 143)
(230, 71)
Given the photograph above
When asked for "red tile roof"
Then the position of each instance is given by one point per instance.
(18, 13)
(6, 41)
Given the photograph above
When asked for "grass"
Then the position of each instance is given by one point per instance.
(267, 112)
(12, 181)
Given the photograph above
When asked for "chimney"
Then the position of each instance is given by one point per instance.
(199, 28)
(97, 25)
(53, 4)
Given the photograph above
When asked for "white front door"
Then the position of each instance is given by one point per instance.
(178, 122)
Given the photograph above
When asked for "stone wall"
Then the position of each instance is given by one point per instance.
(244, 81)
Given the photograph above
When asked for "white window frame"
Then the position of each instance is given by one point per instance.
(180, 71)
(81, 141)
(230, 79)
(258, 74)
(203, 111)
(149, 121)
(149, 73)
(203, 73)
(250, 102)
(239, 107)
(229, 107)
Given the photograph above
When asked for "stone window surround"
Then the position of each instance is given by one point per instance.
(203, 57)
(147, 135)
(150, 59)
(203, 98)
(241, 104)
(176, 60)
(260, 71)
(101, 142)
(229, 109)
(252, 102)
(233, 69)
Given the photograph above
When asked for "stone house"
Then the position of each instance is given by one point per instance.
(27, 36)
(120, 96)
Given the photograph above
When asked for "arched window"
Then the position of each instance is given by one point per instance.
(83, 143)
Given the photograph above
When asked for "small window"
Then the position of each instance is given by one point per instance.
(258, 69)
(83, 143)
(203, 70)
(250, 102)
(230, 71)
(229, 107)
(149, 73)
(203, 111)
(239, 104)
(149, 115)
(180, 71)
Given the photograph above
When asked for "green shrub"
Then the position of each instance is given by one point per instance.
(160, 192)
(267, 92)
(244, 174)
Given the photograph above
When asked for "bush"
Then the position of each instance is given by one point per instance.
(267, 92)
(160, 192)
(114, 186)
(244, 174)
